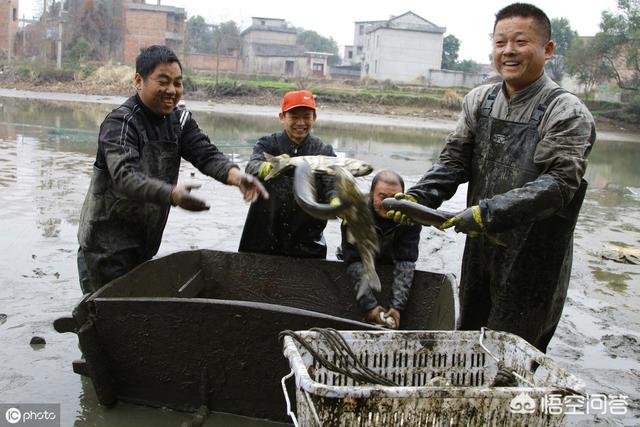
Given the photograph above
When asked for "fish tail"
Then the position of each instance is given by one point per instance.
(371, 276)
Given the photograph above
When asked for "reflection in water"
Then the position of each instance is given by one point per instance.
(46, 155)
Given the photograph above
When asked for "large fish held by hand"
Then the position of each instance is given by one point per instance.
(424, 215)
(353, 209)
(319, 164)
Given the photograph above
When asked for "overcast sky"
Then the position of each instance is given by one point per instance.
(471, 21)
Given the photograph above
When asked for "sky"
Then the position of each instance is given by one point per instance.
(471, 21)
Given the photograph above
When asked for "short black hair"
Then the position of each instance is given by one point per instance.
(386, 175)
(152, 56)
(526, 10)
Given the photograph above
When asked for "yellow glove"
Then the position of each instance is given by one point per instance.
(335, 201)
(468, 221)
(398, 216)
(265, 168)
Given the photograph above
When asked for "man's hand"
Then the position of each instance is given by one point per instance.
(398, 216)
(250, 187)
(468, 221)
(181, 196)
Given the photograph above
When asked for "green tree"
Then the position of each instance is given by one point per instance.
(225, 37)
(317, 43)
(618, 44)
(199, 35)
(91, 28)
(587, 68)
(450, 48)
(467, 66)
(562, 34)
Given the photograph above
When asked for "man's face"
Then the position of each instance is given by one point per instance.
(162, 89)
(519, 52)
(382, 191)
(298, 123)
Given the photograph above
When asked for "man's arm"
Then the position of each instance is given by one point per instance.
(198, 149)
(120, 142)
(567, 135)
(453, 167)
(405, 257)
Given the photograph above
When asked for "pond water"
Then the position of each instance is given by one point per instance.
(46, 153)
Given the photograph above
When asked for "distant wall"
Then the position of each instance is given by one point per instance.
(201, 62)
(450, 78)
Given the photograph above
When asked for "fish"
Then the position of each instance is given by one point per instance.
(424, 215)
(319, 164)
(353, 210)
(418, 213)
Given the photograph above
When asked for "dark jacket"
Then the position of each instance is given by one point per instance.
(398, 246)
(128, 201)
(278, 226)
(524, 158)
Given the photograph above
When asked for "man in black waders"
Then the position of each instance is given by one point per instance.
(278, 226)
(134, 182)
(522, 146)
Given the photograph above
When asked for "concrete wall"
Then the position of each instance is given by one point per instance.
(200, 62)
(449, 78)
(401, 55)
(270, 37)
(9, 15)
(275, 65)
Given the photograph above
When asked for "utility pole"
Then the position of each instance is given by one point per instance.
(59, 53)
(9, 29)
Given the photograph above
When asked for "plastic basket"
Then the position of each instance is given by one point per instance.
(412, 359)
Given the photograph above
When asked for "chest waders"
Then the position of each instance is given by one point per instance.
(521, 287)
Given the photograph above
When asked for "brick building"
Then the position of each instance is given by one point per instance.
(8, 26)
(148, 24)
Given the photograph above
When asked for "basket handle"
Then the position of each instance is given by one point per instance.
(290, 412)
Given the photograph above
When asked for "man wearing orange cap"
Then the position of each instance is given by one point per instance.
(278, 226)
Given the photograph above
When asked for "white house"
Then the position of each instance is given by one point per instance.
(402, 49)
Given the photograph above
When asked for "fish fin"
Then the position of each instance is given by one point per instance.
(374, 281)
(279, 163)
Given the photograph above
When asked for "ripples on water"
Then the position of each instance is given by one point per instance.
(46, 154)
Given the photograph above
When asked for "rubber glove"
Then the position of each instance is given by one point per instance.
(468, 221)
(265, 168)
(335, 201)
(398, 216)
(181, 196)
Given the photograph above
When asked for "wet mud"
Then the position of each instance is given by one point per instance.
(46, 155)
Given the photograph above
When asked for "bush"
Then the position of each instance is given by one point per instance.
(452, 100)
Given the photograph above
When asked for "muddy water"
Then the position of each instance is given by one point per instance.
(46, 153)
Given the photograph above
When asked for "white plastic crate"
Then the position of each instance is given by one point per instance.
(411, 359)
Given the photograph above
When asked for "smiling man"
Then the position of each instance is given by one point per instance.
(522, 146)
(278, 226)
(135, 173)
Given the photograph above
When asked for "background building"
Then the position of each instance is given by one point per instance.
(148, 24)
(8, 27)
(402, 49)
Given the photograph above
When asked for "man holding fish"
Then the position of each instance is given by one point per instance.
(278, 226)
(522, 146)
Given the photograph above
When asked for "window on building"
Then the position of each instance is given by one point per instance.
(359, 50)
(317, 68)
(350, 55)
(15, 14)
(361, 29)
(263, 22)
(288, 67)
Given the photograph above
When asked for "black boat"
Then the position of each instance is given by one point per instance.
(201, 327)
